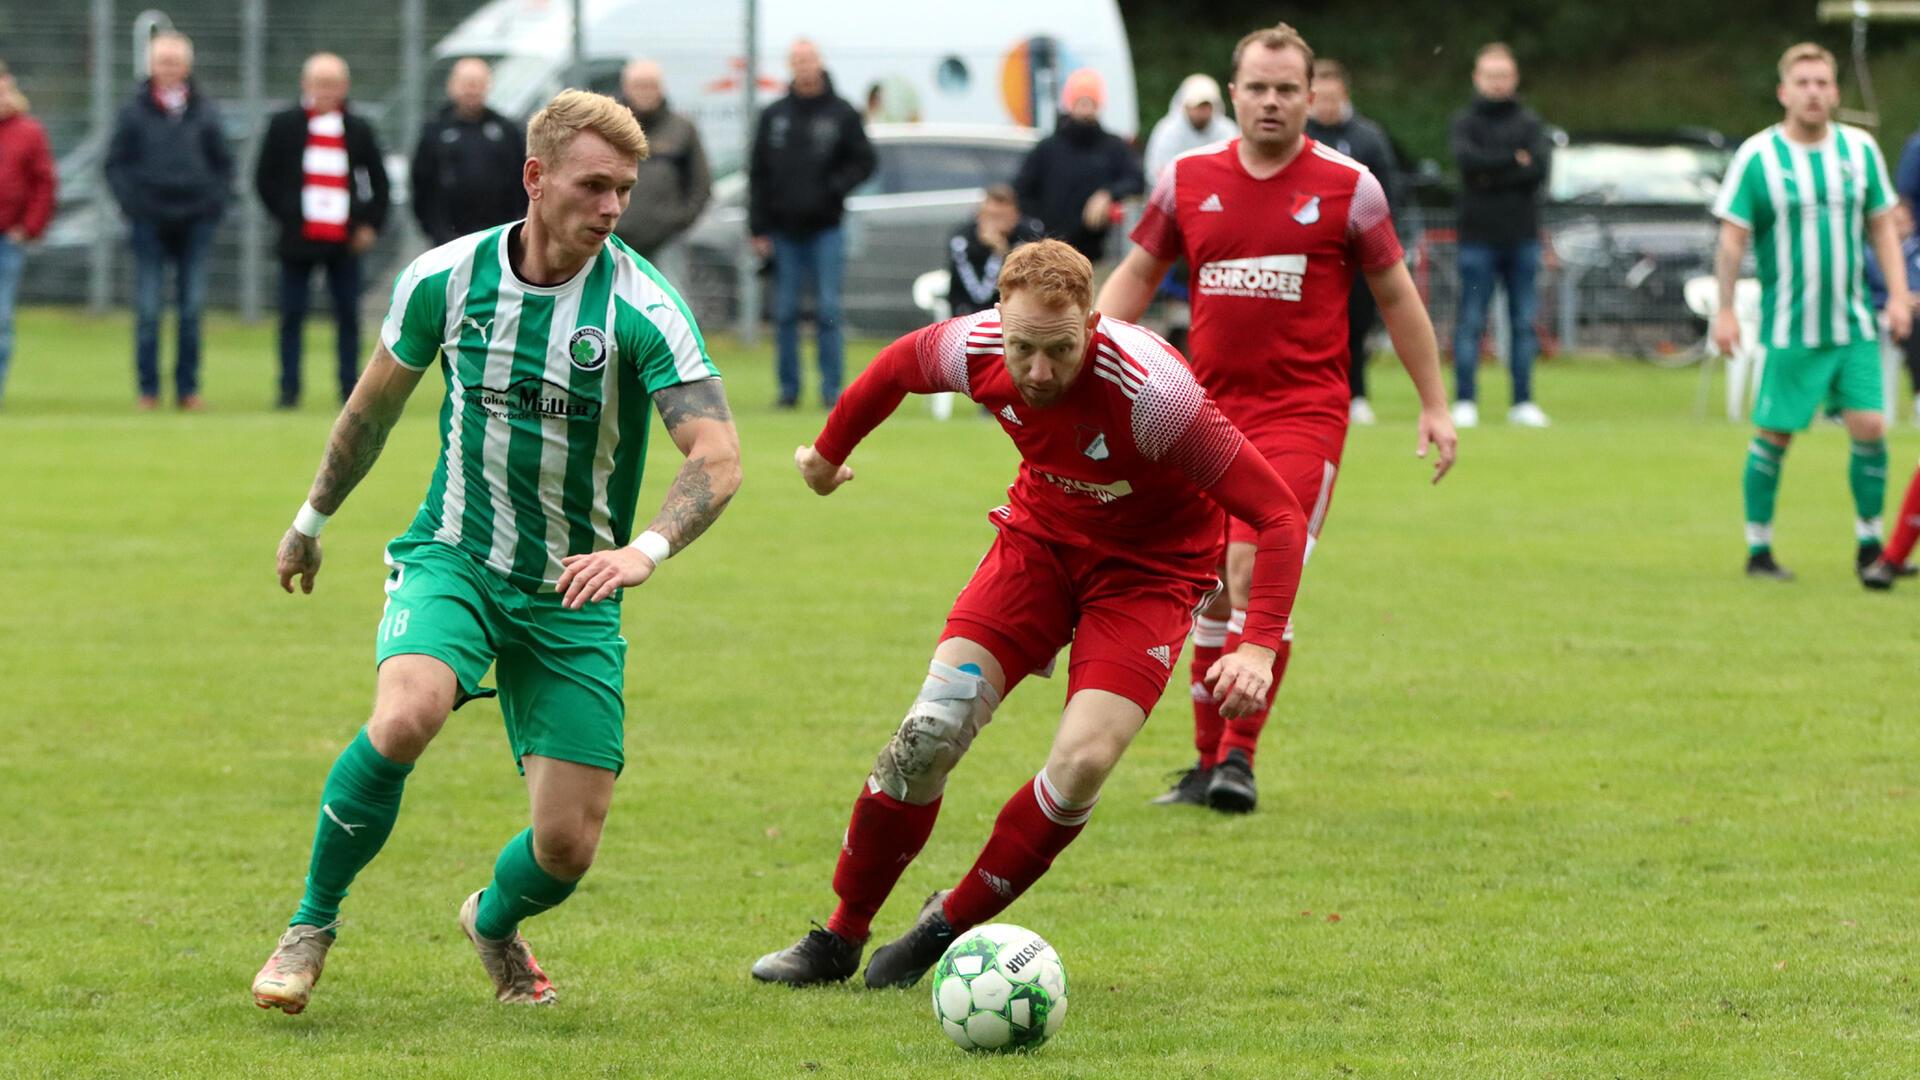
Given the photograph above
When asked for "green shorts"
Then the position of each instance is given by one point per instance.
(560, 672)
(1799, 381)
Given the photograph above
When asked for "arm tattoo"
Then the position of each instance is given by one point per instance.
(703, 400)
(691, 506)
(356, 441)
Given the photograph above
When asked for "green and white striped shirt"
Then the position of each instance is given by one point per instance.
(543, 432)
(1807, 208)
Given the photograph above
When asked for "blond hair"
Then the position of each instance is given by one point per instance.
(574, 111)
(1277, 36)
(1056, 273)
(1807, 50)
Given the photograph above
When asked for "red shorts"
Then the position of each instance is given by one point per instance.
(1310, 474)
(1127, 619)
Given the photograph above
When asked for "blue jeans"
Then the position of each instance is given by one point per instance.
(799, 258)
(1515, 269)
(186, 245)
(13, 258)
(343, 285)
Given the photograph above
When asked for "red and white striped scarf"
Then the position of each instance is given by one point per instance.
(324, 197)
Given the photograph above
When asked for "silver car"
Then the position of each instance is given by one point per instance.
(928, 179)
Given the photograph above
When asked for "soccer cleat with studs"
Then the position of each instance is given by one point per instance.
(287, 979)
(1231, 790)
(1760, 564)
(901, 963)
(822, 956)
(1189, 787)
(517, 978)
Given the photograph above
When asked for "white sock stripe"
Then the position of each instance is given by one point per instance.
(1209, 633)
(1055, 807)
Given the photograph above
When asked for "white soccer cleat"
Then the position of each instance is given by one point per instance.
(1527, 414)
(517, 978)
(286, 981)
(1360, 412)
(1466, 414)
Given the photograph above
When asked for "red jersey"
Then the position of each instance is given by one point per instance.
(1271, 263)
(1118, 463)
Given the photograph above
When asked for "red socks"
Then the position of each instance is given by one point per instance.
(1209, 637)
(1035, 826)
(1907, 528)
(883, 836)
(1243, 733)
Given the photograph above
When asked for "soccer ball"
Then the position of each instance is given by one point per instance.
(1000, 987)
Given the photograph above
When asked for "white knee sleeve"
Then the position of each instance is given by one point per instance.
(952, 708)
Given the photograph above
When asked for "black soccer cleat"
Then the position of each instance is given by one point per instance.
(1878, 575)
(901, 963)
(821, 957)
(1760, 564)
(1866, 554)
(1189, 788)
(1231, 790)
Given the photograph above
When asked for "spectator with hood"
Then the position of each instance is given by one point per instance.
(1072, 179)
(1196, 118)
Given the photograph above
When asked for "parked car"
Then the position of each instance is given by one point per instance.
(928, 180)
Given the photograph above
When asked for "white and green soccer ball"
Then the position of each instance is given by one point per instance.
(1000, 987)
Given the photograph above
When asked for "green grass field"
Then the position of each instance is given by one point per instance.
(1552, 790)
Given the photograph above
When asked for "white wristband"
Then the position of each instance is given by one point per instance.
(653, 546)
(309, 522)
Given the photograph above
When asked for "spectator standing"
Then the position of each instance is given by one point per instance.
(1071, 179)
(1331, 120)
(809, 152)
(1502, 149)
(172, 174)
(27, 185)
(320, 176)
(1194, 119)
(976, 249)
(466, 166)
(675, 183)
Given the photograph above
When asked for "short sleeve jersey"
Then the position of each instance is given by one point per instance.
(1120, 462)
(1271, 264)
(1807, 208)
(543, 430)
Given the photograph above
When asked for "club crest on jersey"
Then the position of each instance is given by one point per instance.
(587, 348)
(1306, 208)
(1092, 443)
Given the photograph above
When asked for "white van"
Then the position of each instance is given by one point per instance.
(994, 62)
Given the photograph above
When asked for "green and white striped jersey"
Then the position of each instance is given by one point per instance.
(1807, 208)
(543, 432)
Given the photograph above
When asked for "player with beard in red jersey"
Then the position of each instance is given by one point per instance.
(1109, 539)
(1274, 225)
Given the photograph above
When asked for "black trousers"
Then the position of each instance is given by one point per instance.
(1362, 312)
(343, 285)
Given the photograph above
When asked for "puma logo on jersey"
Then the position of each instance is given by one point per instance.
(1211, 204)
(1306, 208)
(1163, 654)
(485, 330)
(1006, 413)
(1269, 277)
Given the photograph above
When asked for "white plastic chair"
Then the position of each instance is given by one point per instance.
(1749, 358)
(930, 296)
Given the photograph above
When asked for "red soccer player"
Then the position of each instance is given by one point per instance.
(1110, 540)
(1273, 226)
(1892, 563)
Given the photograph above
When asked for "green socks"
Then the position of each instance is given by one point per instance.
(519, 890)
(1761, 483)
(1867, 477)
(357, 810)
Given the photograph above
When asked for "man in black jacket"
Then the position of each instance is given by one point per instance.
(1503, 151)
(172, 174)
(466, 166)
(674, 183)
(809, 152)
(1332, 120)
(1072, 179)
(976, 249)
(321, 177)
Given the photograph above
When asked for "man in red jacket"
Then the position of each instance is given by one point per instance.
(26, 201)
(1109, 539)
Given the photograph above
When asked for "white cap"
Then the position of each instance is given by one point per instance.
(1197, 88)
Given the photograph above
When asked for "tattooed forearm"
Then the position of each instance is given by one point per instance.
(703, 400)
(695, 500)
(357, 439)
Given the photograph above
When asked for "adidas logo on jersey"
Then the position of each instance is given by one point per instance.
(1163, 654)
(1006, 413)
(1211, 204)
